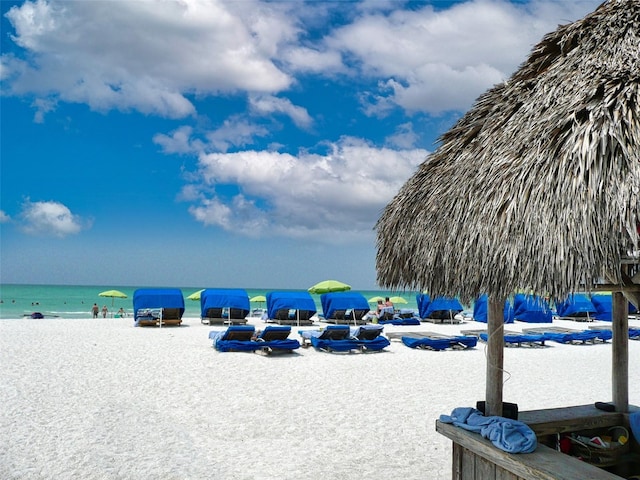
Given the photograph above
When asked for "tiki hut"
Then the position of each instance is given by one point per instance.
(537, 188)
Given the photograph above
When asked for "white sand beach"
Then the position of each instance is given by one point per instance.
(101, 399)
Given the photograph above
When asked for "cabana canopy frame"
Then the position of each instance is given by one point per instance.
(537, 186)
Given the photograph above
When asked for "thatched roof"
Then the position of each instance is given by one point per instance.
(538, 185)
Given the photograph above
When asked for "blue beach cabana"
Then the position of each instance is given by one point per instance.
(480, 310)
(224, 305)
(158, 306)
(290, 308)
(576, 306)
(344, 307)
(440, 308)
(531, 309)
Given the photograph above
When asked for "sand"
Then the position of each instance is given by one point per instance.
(101, 399)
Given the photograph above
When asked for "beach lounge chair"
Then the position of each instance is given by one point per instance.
(577, 307)
(397, 319)
(571, 336)
(480, 310)
(344, 307)
(290, 308)
(333, 338)
(531, 309)
(243, 338)
(439, 310)
(158, 306)
(436, 341)
(369, 337)
(275, 339)
(512, 339)
(221, 306)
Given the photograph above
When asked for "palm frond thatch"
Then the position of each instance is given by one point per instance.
(538, 185)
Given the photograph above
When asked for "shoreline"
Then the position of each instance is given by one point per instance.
(107, 400)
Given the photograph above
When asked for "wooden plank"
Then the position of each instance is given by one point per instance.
(543, 464)
(484, 468)
(468, 465)
(502, 474)
(456, 465)
(620, 361)
(569, 419)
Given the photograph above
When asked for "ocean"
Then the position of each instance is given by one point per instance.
(75, 301)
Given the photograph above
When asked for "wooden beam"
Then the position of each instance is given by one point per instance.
(495, 356)
(620, 352)
(612, 287)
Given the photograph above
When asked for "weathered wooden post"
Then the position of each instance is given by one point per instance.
(495, 356)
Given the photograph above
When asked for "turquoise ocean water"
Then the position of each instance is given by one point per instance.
(73, 301)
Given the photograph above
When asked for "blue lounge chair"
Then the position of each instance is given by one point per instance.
(333, 338)
(405, 317)
(440, 309)
(158, 306)
(369, 337)
(243, 338)
(514, 339)
(224, 305)
(571, 336)
(435, 341)
(344, 307)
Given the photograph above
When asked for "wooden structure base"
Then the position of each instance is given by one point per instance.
(475, 458)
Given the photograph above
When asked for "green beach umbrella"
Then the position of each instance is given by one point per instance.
(258, 299)
(195, 295)
(327, 286)
(375, 299)
(395, 300)
(113, 294)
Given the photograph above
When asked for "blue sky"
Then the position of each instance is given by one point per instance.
(231, 144)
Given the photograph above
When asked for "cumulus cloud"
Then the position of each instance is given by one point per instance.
(50, 218)
(268, 104)
(437, 60)
(145, 55)
(4, 218)
(338, 194)
(155, 57)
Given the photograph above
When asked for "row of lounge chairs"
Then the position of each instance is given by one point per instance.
(537, 337)
(363, 338)
(275, 339)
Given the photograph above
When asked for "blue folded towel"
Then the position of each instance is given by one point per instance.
(509, 435)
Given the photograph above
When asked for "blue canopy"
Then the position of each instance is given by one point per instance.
(224, 298)
(531, 309)
(603, 305)
(480, 310)
(144, 298)
(298, 300)
(576, 305)
(336, 301)
(428, 308)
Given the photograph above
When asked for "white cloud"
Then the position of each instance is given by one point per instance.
(235, 132)
(442, 60)
(4, 218)
(404, 137)
(50, 218)
(268, 104)
(146, 55)
(338, 195)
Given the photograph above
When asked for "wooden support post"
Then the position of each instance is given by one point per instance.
(620, 352)
(495, 356)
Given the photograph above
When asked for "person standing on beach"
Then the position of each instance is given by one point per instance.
(95, 310)
(104, 311)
